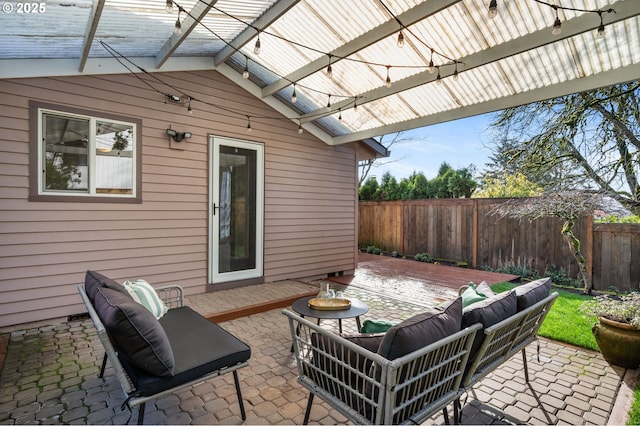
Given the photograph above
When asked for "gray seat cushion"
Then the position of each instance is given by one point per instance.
(135, 332)
(533, 292)
(199, 347)
(488, 312)
(422, 330)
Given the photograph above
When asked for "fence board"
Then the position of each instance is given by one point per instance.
(463, 230)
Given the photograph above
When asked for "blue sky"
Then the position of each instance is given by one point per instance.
(459, 143)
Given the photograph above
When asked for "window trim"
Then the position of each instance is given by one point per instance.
(35, 156)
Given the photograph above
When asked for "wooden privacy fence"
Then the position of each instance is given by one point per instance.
(463, 230)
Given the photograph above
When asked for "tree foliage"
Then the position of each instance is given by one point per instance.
(507, 185)
(587, 140)
(449, 183)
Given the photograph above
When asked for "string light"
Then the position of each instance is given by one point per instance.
(248, 124)
(355, 103)
(493, 8)
(400, 40)
(438, 78)
(388, 81)
(245, 72)
(169, 7)
(329, 103)
(256, 48)
(432, 67)
(329, 70)
(601, 26)
(177, 28)
(189, 110)
(340, 114)
(294, 96)
(557, 25)
(300, 129)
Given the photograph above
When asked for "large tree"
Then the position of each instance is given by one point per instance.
(588, 140)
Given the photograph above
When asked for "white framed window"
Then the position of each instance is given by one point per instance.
(84, 154)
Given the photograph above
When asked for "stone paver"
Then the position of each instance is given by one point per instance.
(49, 375)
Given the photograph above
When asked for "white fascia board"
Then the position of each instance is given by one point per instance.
(28, 68)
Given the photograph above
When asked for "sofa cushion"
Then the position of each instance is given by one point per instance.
(491, 310)
(488, 312)
(200, 347)
(484, 289)
(533, 292)
(422, 330)
(95, 280)
(376, 326)
(144, 293)
(134, 331)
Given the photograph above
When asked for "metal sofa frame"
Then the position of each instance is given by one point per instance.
(173, 297)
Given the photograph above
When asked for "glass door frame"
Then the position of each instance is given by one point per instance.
(216, 277)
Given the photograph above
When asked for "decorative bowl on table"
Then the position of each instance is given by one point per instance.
(329, 304)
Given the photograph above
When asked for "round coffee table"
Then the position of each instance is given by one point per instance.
(357, 308)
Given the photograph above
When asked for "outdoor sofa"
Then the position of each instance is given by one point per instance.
(424, 363)
(153, 357)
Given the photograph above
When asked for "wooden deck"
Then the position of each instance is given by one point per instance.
(391, 272)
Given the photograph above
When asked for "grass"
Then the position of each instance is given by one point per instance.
(634, 414)
(564, 323)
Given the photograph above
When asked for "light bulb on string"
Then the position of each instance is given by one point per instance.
(329, 103)
(169, 7)
(355, 104)
(388, 81)
(601, 26)
(294, 96)
(300, 130)
(256, 48)
(493, 8)
(455, 73)
(400, 40)
(557, 25)
(248, 124)
(189, 110)
(245, 72)
(177, 28)
(438, 77)
(340, 114)
(329, 69)
(432, 67)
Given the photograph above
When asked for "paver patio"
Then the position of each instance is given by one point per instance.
(50, 375)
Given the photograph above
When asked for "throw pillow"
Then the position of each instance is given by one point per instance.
(144, 293)
(376, 326)
(135, 333)
(484, 289)
(471, 295)
(94, 280)
(421, 330)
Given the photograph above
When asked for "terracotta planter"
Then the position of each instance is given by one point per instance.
(619, 343)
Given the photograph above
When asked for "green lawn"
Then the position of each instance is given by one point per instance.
(565, 322)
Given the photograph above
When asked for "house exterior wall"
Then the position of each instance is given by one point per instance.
(46, 247)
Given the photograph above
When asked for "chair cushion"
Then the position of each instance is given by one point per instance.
(533, 292)
(144, 293)
(488, 312)
(134, 331)
(94, 280)
(422, 330)
(199, 346)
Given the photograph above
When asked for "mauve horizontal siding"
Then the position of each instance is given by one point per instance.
(46, 247)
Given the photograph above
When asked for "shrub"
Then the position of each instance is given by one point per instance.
(423, 257)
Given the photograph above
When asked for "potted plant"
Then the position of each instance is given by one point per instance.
(617, 327)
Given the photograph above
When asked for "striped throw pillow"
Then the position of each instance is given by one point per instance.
(144, 293)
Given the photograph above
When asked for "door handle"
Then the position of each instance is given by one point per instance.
(214, 208)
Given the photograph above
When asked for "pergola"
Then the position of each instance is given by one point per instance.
(395, 64)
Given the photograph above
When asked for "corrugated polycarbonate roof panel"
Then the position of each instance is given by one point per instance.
(497, 59)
